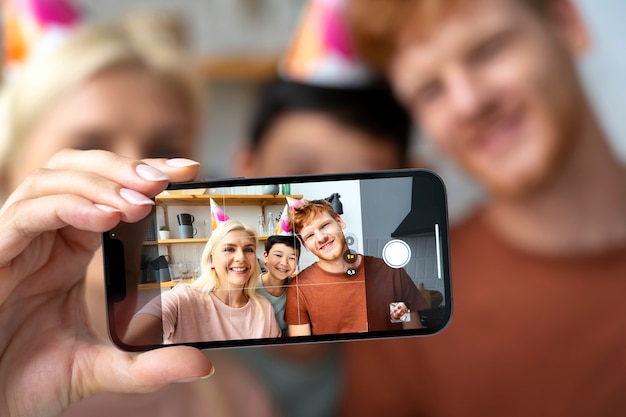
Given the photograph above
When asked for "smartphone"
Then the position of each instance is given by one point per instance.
(283, 260)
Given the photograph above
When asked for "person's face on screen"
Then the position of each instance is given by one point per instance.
(495, 86)
(233, 259)
(323, 236)
(281, 261)
(126, 110)
(311, 142)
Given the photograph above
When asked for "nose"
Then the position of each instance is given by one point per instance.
(466, 94)
(320, 236)
(128, 146)
(239, 255)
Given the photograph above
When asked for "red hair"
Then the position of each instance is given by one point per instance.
(376, 26)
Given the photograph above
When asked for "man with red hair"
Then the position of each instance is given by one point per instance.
(539, 271)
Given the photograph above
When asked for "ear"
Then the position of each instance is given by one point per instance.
(570, 26)
(340, 221)
(244, 162)
(265, 256)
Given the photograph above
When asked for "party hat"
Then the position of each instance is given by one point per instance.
(283, 227)
(217, 215)
(294, 203)
(34, 26)
(321, 52)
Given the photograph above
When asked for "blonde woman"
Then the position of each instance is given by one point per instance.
(222, 304)
(122, 87)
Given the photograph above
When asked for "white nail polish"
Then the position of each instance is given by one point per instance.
(133, 197)
(181, 162)
(149, 173)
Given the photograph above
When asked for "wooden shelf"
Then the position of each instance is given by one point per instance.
(195, 240)
(248, 68)
(166, 284)
(240, 200)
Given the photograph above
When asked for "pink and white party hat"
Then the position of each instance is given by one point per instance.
(34, 26)
(217, 214)
(321, 52)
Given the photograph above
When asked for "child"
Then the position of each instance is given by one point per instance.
(222, 304)
(281, 257)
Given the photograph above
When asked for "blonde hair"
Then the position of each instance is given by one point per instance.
(208, 280)
(142, 40)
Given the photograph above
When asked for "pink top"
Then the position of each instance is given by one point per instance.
(191, 316)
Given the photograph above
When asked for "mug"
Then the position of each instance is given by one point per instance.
(185, 219)
(161, 266)
(187, 231)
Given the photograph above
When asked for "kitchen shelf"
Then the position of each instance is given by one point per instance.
(195, 240)
(166, 284)
(240, 200)
(238, 68)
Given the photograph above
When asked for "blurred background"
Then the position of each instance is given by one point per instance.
(236, 45)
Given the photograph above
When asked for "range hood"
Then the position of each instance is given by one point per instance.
(423, 214)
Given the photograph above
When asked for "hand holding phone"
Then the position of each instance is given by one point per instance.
(344, 273)
(50, 228)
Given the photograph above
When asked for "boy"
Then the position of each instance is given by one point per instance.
(295, 126)
(281, 257)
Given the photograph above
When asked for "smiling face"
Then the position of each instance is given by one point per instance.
(234, 258)
(323, 236)
(281, 261)
(495, 86)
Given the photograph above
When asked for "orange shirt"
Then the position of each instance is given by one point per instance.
(331, 303)
(529, 336)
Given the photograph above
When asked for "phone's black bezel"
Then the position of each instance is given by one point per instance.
(116, 288)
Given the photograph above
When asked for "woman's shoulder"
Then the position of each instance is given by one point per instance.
(264, 302)
(181, 291)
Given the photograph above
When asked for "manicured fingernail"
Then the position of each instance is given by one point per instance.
(106, 208)
(181, 162)
(198, 378)
(149, 173)
(133, 197)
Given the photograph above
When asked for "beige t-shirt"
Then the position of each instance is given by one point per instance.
(190, 316)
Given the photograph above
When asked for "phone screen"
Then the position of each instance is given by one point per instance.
(282, 260)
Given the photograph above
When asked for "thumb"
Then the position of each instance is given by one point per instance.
(117, 371)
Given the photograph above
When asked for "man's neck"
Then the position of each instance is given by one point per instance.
(582, 211)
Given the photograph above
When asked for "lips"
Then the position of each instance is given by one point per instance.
(326, 246)
(239, 269)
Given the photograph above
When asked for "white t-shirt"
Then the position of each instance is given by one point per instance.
(191, 316)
